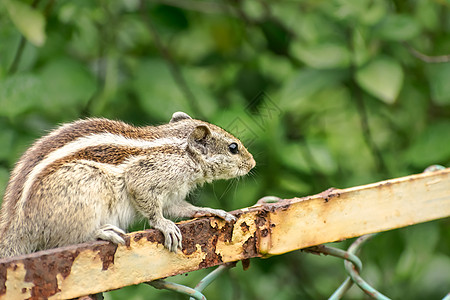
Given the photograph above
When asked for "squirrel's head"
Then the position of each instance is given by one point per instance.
(220, 154)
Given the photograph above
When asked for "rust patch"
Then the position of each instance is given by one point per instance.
(227, 232)
(138, 236)
(285, 206)
(42, 271)
(212, 258)
(265, 232)
(154, 236)
(106, 254)
(249, 248)
(200, 232)
(193, 235)
(330, 193)
(3, 280)
(245, 264)
(281, 205)
(127, 239)
(245, 227)
(261, 218)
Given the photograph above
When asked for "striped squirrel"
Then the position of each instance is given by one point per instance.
(90, 179)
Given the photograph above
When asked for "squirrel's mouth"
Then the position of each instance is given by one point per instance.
(244, 169)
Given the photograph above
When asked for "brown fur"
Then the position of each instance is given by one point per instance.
(93, 191)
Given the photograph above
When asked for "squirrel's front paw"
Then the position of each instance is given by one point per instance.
(172, 234)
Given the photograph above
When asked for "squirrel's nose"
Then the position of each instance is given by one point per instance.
(252, 163)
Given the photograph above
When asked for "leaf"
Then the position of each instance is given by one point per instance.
(6, 140)
(398, 28)
(277, 36)
(382, 78)
(306, 83)
(298, 158)
(19, 94)
(29, 21)
(68, 85)
(325, 55)
(431, 147)
(157, 91)
(438, 79)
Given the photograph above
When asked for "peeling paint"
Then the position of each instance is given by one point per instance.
(3, 276)
(245, 227)
(20, 288)
(330, 193)
(245, 264)
(106, 254)
(249, 248)
(42, 272)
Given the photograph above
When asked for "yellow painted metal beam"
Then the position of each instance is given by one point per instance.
(261, 230)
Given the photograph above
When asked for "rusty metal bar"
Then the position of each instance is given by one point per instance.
(262, 230)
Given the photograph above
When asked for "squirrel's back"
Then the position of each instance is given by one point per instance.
(44, 146)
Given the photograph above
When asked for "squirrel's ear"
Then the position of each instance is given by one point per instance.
(179, 115)
(198, 139)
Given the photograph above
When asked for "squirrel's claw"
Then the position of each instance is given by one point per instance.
(172, 235)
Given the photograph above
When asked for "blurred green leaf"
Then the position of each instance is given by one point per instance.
(431, 146)
(427, 13)
(324, 55)
(305, 83)
(361, 51)
(315, 158)
(296, 160)
(157, 92)
(434, 278)
(67, 84)
(323, 160)
(6, 140)
(170, 17)
(197, 79)
(29, 21)
(382, 77)
(438, 76)
(314, 28)
(420, 244)
(363, 11)
(277, 36)
(398, 28)
(19, 94)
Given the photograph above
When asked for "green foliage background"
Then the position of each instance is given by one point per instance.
(325, 93)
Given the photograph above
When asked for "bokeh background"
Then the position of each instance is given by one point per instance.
(324, 93)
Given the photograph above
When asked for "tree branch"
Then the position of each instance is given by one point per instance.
(427, 58)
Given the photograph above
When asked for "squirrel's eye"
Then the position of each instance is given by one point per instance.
(233, 147)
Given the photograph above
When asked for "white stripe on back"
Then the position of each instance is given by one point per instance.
(89, 141)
